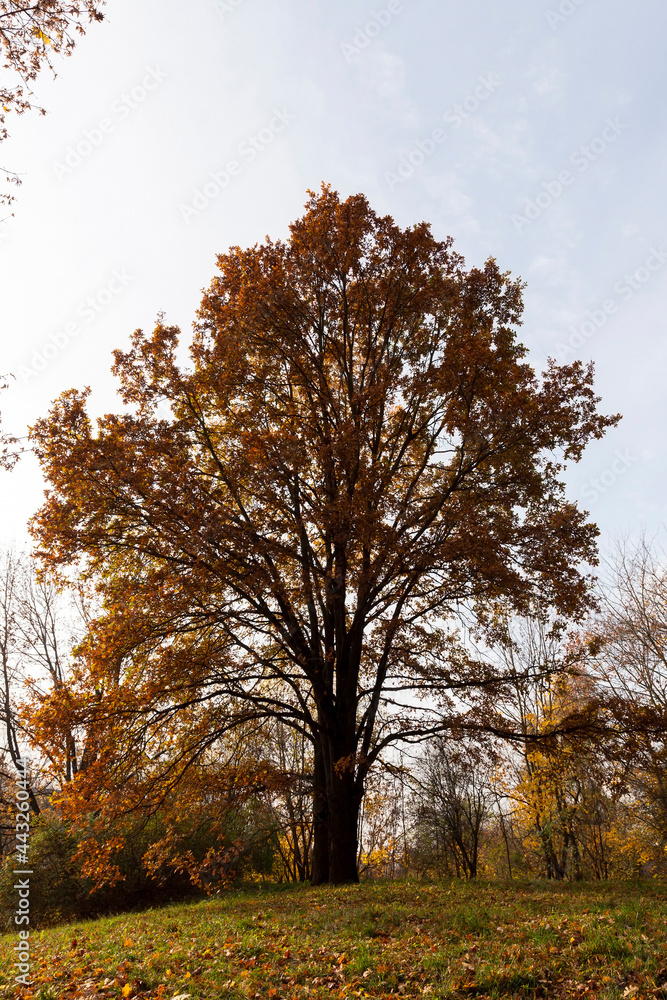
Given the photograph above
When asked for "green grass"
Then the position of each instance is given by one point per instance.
(385, 940)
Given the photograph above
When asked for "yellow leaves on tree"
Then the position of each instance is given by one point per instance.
(358, 448)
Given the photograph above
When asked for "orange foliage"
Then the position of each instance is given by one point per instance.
(358, 448)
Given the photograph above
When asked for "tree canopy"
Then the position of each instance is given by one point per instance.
(289, 526)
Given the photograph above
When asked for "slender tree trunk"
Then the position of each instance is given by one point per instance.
(505, 838)
(575, 855)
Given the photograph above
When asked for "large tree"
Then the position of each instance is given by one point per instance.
(287, 527)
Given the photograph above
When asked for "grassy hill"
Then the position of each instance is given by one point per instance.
(392, 939)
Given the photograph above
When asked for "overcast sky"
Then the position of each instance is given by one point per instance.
(529, 130)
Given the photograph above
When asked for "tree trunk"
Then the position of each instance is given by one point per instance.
(344, 803)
